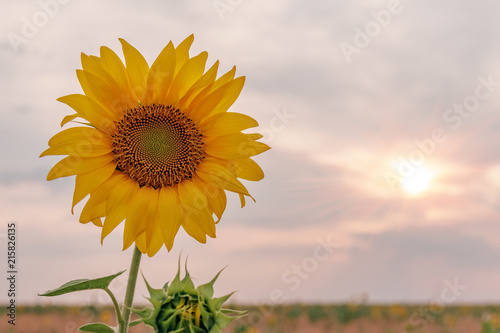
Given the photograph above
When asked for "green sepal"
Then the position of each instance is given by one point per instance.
(215, 304)
(82, 284)
(188, 283)
(97, 328)
(156, 294)
(180, 330)
(135, 322)
(176, 286)
(181, 307)
(182, 287)
(237, 313)
(144, 313)
(207, 290)
(194, 329)
(206, 316)
(168, 322)
(215, 329)
(223, 320)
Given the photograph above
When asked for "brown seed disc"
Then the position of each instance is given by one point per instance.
(157, 145)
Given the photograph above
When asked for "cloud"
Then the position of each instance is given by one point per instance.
(325, 173)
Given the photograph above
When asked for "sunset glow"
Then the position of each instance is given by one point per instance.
(384, 172)
(418, 181)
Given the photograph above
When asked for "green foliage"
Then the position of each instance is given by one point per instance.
(242, 328)
(87, 284)
(82, 284)
(97, 328)
(410, 328)
(349, 312)
(282, 318)
(294, 312)
(316, 312)
(490, 327)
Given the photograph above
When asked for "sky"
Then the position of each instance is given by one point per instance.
(383, 181)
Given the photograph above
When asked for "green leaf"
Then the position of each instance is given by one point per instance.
(97, 328)
(82, 284)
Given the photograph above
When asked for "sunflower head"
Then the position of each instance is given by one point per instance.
(155, 146)
(183, 308)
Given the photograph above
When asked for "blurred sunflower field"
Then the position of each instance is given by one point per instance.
(289, 318)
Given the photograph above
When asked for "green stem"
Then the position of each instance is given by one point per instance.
(129, 295)
(117, 307)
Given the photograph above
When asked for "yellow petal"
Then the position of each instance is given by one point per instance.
(216, 197)
(214, 173)
(78, 134)
(182, 53)
(118, 202)
(242, 200)
(151, 217)
(248, 169)
(120, 93)
(73, 165)
(94, 87)
(212, 87)
(112, 63)
(254, 136)
(204, 81)
(194, 230)
(99, 196)
(140, 241)
(114, 66)
(156, 241)
(137, 69)
(97, 222)
(234, 146)
(89, 181)
(121, 192)
(227, 123)
(90, 110)
(189, 73)
(82, 149)
(161, 74)
(92, 211)
(68, 118)
(135, 223)
(233, 91)
(219, 100)
(195, 206)
(170, 215)
(93, 65)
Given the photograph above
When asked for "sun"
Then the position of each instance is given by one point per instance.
(418, 181)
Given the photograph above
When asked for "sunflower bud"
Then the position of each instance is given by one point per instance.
(182, 308)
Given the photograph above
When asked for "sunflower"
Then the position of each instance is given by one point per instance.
(157, 147)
